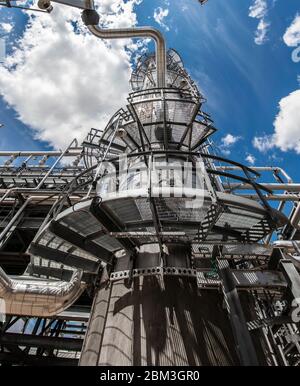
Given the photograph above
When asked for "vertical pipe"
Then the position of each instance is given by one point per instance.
(139, 32)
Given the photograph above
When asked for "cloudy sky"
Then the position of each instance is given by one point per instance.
(57, 80)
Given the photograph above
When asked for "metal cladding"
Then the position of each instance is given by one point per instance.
(172, 244)
(31, 297)
(142, 32)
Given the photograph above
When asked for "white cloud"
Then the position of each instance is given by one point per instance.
(250, 159)
(287, 123)
(259, 10)
(61, 80)
(159, 15)
(287, 127)
(184, 8)
(6, 27)
(225, 151)
(229, 140)
(261, 32)
(263, 143)
(292, 34)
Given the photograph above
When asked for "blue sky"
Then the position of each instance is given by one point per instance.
(242, 81)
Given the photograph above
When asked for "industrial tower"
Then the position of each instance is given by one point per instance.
(147, 248)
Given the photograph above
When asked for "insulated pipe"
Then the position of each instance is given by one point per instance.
(34, 297)
(283, 172)
(139, 32)
(291, 245)
(91, 19)
(30, 296)
(271, 186)
(261, 168)
(54, 153)
(274, 197)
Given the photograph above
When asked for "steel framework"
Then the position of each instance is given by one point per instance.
(111, 256)
(242, 244)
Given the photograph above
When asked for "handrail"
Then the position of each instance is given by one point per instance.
(9, 191)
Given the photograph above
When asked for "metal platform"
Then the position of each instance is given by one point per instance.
(163, 281)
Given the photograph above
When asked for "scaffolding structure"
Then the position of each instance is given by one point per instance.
(56, 216)
(143, 246)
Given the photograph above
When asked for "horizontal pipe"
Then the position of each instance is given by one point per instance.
(33, 297)
(16, 189)
(91, 19)
(139, 32)
(290, 246)
(273, 197)
(260, 169)
(41, 194)
(271, 186)
(82, 4)
(51, 153)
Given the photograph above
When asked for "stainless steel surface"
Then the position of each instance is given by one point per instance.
(82, 4)
(165, 300)
(139, 32)
(30, 296)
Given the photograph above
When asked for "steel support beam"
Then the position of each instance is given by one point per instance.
(79, 241)
(13, 339)
(36, 360)
(240, 331)
(101, 214)
(64, 257)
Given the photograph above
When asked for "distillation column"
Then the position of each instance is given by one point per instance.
(150, 308)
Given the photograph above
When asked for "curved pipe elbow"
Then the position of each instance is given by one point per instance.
(40, 298)
(139, 32)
